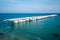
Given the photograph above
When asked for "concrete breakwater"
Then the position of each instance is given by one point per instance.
(28, 19)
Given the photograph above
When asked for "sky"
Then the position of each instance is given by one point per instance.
(29, 6)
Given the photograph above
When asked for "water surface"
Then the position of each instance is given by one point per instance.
(45, 29)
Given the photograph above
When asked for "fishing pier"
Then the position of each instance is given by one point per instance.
(28, 19)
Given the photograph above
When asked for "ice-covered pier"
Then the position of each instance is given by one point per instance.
(28, 19)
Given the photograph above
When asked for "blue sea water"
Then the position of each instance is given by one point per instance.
(45, 29)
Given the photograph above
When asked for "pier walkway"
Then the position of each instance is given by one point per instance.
(28, 19)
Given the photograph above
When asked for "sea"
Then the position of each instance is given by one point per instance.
(44, 29)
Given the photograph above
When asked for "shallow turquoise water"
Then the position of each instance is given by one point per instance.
(45, 29)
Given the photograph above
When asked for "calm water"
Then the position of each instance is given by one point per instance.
(45, 29)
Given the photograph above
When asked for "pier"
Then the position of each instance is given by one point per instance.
(28, 19)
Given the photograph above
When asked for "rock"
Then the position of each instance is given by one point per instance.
(56, 35)
(16, 39)
(1, 35)
(0, 26)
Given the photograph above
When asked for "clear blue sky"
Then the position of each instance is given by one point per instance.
(29, 6)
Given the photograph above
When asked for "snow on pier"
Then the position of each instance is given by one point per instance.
(28, 19)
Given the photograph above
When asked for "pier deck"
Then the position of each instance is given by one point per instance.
(27, 19)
